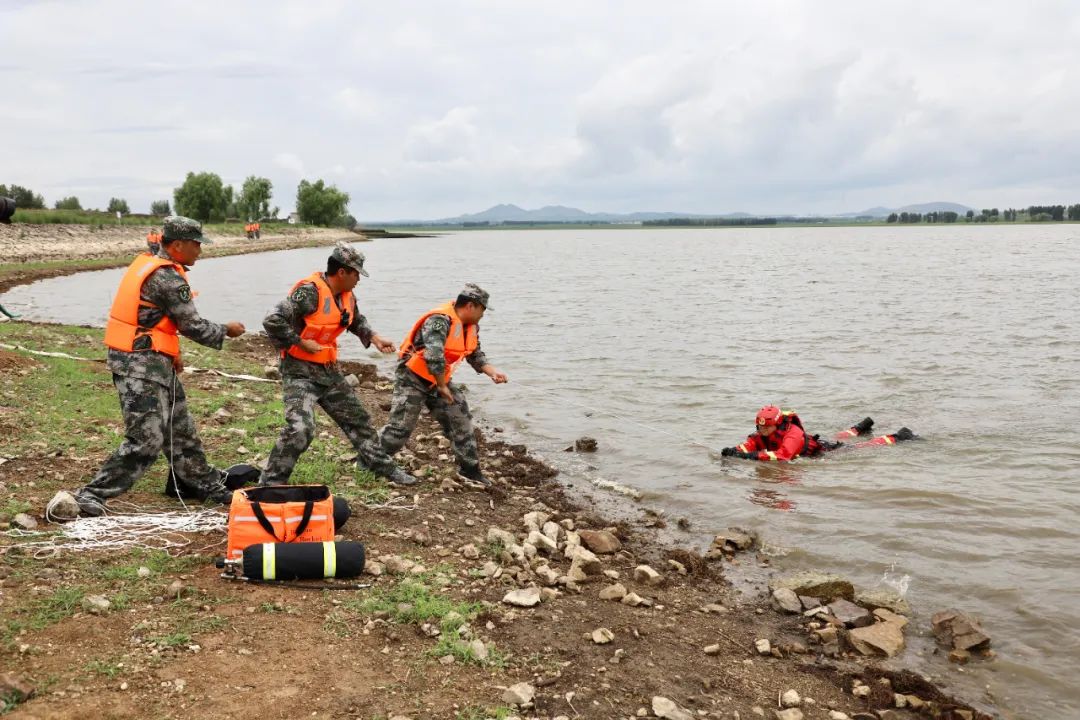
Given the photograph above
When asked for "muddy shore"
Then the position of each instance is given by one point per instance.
(34, 252)
(244, 650)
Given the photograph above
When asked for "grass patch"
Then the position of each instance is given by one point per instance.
(477, 712)
(493, 549)
(42, 612)
(105, 668)
(413, 601)
(14, 507)
(159, 563)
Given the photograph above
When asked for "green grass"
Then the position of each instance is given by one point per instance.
(105, 668)
(41, 612)
(13, 507)
(476, 712)
(414, 601)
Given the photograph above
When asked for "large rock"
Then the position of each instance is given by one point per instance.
(528, 597)
(584, 560)
(664, 708)
(883, 598)
(600, 542)
(520, 694)
(816, 584)
(959, 631)
(62, 508)
(541, 542)
(734, 539)
(789, 714)
(613, 592)
(850, 614)
(785, 599)
(602, 636)
(22, 521)
(15, 687)
(585, 444)
(884, 638)
(498, 535)
(645, 574)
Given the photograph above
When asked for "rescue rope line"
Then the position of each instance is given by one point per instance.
(194, 370)
(115, 530)
(562, 398)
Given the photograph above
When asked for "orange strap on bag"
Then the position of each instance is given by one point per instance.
(279, 513)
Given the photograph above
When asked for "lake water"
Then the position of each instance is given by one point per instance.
(654, 340)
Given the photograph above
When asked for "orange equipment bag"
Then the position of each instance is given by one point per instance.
(279, 513)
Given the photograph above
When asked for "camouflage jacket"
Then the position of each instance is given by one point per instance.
(171, 296)
(286, 321)
(432, 338)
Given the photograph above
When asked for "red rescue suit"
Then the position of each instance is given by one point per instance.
(784, 444)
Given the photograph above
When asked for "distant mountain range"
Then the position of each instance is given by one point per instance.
(562, 214)
(922, 208)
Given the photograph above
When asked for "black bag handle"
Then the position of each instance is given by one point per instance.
(264, 521)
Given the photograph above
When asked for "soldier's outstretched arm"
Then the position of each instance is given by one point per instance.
(172, 294)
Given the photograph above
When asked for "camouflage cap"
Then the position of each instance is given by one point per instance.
(350, 257)
(472, 291)
(178, 227)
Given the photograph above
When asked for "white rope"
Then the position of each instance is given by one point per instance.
(152, 531)
(65, 356)
(563, 399)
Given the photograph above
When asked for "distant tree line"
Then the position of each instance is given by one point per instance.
(1033, 213)
(718, 222)
(205, 197)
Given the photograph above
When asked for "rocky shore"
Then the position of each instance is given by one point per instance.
(519, 601)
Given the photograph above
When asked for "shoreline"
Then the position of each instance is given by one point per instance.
(36, 252)
(694, 645)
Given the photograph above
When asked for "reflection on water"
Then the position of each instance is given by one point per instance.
(663, 344)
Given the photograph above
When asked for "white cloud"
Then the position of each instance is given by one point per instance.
(434, 109)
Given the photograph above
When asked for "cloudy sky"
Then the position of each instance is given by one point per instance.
(432, 109)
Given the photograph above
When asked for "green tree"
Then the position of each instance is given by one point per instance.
(118, 205)
(970, 214)
(320, 204)
(202, 197)
(254, 202)
(159, 207)
(949, 216)
(68, 203)
(23, 197)
(893, 217)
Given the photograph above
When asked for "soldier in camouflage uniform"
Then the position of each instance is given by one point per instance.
(422, 378)
(152, 397)
(305, 327)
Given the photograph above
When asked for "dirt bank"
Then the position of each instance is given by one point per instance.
(33, 252)
(432, 637)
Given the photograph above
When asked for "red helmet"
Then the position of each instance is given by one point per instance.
(769, 415)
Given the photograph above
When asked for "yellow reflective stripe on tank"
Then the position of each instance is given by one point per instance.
(771, 454)
(742, 448)
(329, 559)
(269, 561)
(890, 440)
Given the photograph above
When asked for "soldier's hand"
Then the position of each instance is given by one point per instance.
(234, 329)
(448, 396)
(498, 377)
(178, 364)
(309, 345)
(382, 344)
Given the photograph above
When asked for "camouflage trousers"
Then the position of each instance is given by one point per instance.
(156, 420)
(455, 420)
(343, 407)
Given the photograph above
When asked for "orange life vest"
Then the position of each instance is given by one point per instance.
(123, 326)
(324, 325)
(461, 341)
(153, 237)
